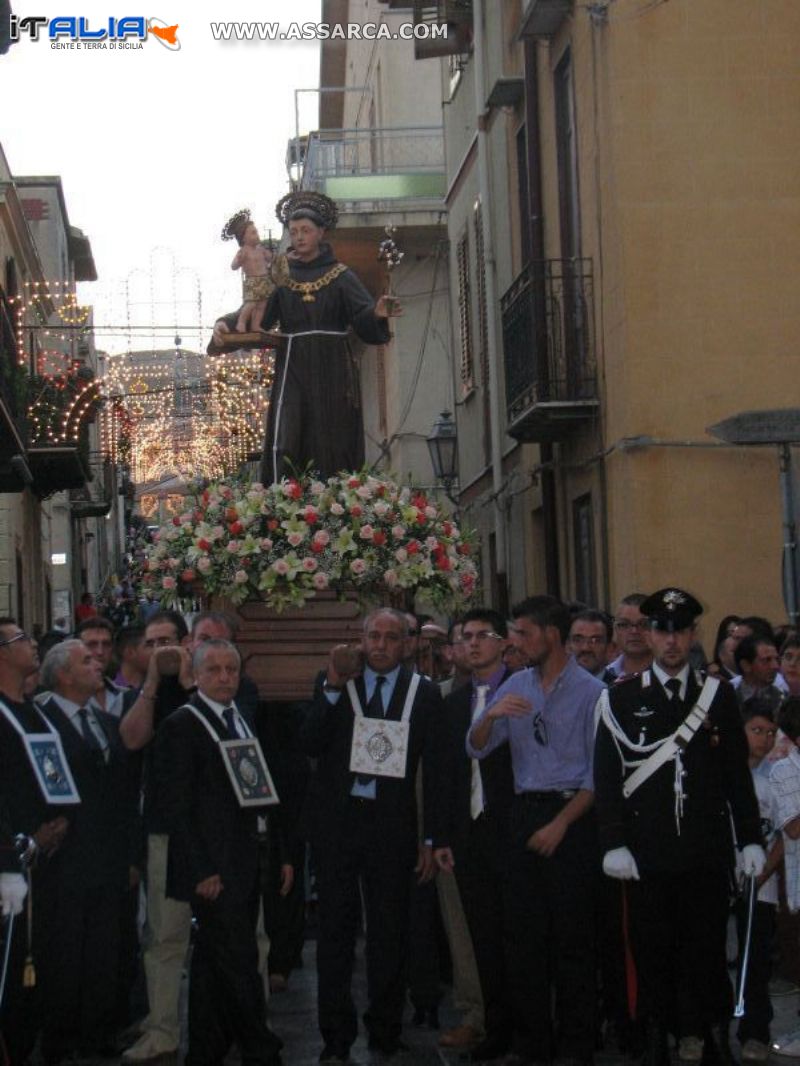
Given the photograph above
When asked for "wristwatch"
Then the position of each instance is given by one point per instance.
(328, 687)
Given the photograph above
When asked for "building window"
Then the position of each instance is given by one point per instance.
(464, 314)
(583, 534)
(567, 154)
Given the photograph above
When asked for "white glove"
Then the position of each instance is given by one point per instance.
(13, 890)
(621, 864)
(753, 860)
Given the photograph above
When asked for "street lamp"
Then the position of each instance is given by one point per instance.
(443, 448)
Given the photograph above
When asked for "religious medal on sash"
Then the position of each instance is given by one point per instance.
(246, 766)
(249, 773)
(50, 767)
(380, 747)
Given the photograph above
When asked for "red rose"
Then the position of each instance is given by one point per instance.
(176, 521)
(188, 574)
(412, 547)
(420, 501)
(231, 514)
(353, 483)
(272, 524)
(294, 490)
(203, 544)
(236, 528)
(463, 549)
(310, 516)
(379, 537)
(421, 518)
(316, 547)
(356, 511)
(447, 529)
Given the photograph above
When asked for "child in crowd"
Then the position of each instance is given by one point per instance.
(753, 1031)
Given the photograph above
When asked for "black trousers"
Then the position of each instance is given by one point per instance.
(424, 963)
(482, 874)
(757, 1004)
(285, 916)
(20, 1013)
(78, 968)
(226, 992)
(552, 936)
(367, 861)
(678, 931)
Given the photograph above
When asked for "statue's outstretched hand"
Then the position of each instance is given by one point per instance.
(388, 307)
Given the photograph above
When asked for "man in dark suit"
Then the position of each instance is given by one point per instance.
(671, 771)
(26, 812)
(216, 853)
(363, 827)
(87, 877)
(472, 828)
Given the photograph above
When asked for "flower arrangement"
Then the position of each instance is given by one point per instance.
(285, 542)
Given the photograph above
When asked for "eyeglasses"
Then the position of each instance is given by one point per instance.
(484, 634)
(623, 624)
(760, 731)
(539, 729)
(14, 639)
(790, 660)
(594, 642)
(160, 642)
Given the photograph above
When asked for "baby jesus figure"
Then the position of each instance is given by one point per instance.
(254, 259)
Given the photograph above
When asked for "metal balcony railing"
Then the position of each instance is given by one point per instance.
(391, 166)
(549, 337)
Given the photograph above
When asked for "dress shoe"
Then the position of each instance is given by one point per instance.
(463, 1036)
(278, 983)
(334, 1056)
(426, 1018)
(490, 1049)
(144, 1056)
(755, 1051)
(387, 1045)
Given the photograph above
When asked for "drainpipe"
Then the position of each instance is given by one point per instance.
(495, 412)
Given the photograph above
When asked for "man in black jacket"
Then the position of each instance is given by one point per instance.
(472, 828)
(87, 876)
(27, 811)
(671, 772)
(216, 850)
(363, 826)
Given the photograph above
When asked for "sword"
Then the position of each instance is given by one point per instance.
(738, 1011)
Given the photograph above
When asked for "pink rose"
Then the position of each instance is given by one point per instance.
(232, 546)
(240, 577)
(320, 581)
(390, 578)
(280, 566)
(398, 532)
(309, 565)
(358, 567)
(295, 538)
(337, 509)
(168, 582)
(322, 537)
(204, 564)
(266, 544)
(366, 532)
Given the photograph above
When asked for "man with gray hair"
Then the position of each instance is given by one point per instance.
(370, 722)
(215, 791)
(88, 875)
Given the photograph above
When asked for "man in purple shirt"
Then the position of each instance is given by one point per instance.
(546, 715)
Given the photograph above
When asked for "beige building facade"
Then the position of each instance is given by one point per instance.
(640, 173)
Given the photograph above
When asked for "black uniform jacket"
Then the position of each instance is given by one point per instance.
(100, 844)
(326, 732)
(453, 814)
(717, 784)
(209, 833)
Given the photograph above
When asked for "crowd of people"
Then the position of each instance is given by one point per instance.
(557, 814)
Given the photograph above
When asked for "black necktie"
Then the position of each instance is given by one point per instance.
(91, 737)
(674, 687)
(374, 710)
(230, 723)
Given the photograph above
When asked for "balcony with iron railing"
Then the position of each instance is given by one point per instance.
(549, 349)
(378, 170)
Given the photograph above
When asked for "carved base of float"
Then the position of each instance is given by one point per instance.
(283, 652)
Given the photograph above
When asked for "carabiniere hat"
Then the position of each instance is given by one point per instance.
(671, 609)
